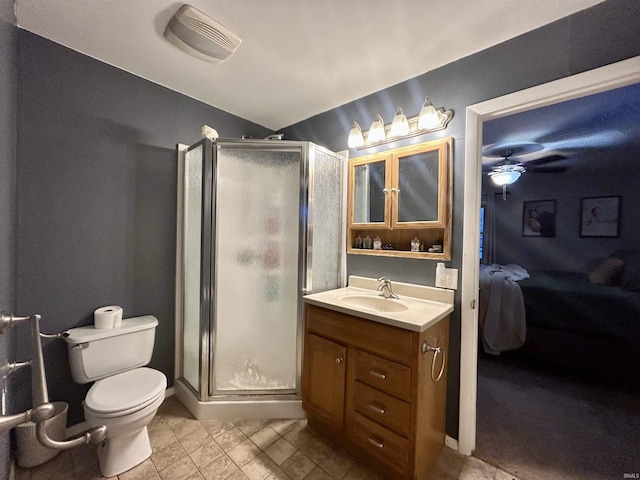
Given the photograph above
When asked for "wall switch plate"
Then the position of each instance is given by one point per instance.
(449, 279)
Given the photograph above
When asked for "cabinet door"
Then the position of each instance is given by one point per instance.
(323, 382)
(420, 186)
(369, 179)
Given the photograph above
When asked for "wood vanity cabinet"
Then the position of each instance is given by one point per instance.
(369, 388)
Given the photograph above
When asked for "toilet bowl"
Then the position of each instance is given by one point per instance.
(126, 395)
(126, 403)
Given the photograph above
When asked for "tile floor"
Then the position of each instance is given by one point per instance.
(188, 449)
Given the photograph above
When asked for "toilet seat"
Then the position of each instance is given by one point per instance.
(125, 392)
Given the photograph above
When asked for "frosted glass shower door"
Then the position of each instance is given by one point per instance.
(191, 264)
(257, 269)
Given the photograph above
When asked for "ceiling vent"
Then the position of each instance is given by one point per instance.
(200, 35)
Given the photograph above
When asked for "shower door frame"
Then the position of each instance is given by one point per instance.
(272, 146)
(205, 264)
(206, 391)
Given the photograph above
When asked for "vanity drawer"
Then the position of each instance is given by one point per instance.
(392, 342)
(383, 408)
(382, 442)
(383, 374)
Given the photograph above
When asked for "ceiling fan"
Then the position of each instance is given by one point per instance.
(508, 170)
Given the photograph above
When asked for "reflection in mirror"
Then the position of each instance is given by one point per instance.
(418, 187)
(368, 199)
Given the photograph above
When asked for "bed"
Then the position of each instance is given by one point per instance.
(584, 322)
(568, 302)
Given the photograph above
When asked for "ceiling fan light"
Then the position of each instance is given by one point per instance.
(428, 117)
(356, 139)
(376, 132)
(505, 178)
(399, 125)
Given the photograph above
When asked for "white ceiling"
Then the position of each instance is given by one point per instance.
(298, 58)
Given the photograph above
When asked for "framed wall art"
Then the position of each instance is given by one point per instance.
(539, 218)
(599, 216)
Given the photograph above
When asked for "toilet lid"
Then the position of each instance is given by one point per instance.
(125, 390)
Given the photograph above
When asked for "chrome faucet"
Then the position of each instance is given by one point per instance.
(385, 288)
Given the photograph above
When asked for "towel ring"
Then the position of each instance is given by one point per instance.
(436, 351)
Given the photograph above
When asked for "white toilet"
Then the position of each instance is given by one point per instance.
(126, 395)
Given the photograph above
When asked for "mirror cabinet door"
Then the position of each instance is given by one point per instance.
(369, 195)
(418, 188)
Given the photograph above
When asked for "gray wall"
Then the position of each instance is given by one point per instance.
(566, 251)
(8, 120)
(592, 38)
(97, 198)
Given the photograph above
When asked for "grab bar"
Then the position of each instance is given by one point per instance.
(38, 377)
(43, 410)
(8, 320)
(92, 435)
(37, 414)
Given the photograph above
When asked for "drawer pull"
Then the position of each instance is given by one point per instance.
(379, 375)
(339, 359)
(376, 408)
(375, 442)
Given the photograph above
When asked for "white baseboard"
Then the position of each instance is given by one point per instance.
(450, 442)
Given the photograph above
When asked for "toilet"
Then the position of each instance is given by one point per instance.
(126, 394)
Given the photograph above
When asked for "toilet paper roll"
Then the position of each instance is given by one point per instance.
(107, 317)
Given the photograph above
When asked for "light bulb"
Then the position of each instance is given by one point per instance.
(376, 132)
(505, 178)
(400, 124)
(356, 139)
(428, 118)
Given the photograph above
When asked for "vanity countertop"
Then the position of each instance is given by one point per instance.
(417, 308)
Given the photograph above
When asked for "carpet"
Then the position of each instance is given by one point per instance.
(541, 424)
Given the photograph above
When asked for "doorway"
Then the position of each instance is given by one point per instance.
(595, 81)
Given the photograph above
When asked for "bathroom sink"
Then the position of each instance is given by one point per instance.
(369, 302)
(417, 308)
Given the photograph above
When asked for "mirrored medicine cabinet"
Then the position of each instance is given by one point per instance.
(400, 202)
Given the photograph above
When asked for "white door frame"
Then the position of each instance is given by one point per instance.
(598, 80)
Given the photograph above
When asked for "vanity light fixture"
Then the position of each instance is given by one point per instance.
(429, 120)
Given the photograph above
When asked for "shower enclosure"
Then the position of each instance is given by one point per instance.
(259, 225)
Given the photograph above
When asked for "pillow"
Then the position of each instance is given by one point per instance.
(609, 272)
(631, 276)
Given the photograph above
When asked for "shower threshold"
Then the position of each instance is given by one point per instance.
(250, 407)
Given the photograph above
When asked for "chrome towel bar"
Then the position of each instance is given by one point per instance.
(43, 409)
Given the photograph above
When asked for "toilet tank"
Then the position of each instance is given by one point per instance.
(98, 353)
